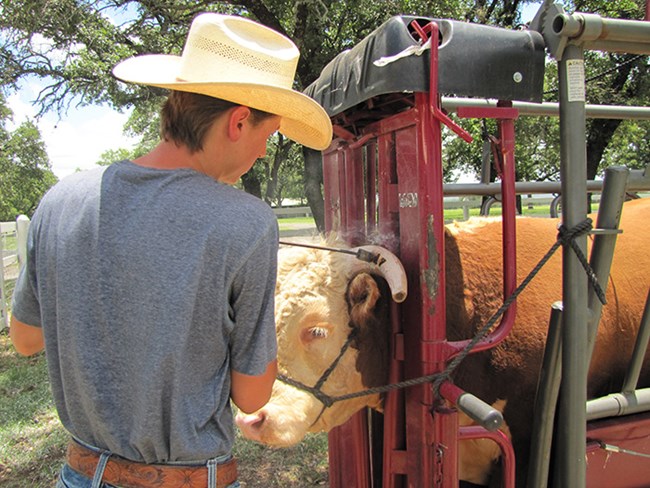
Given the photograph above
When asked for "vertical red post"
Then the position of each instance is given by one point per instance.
(509, 210)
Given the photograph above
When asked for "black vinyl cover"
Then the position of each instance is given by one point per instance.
(474, 60)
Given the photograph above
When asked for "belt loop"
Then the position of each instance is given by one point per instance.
(99, 471)
(212, 473)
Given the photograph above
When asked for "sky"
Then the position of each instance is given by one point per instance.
(76, 140)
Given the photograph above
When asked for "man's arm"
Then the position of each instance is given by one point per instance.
(27, 339)
(250, 393)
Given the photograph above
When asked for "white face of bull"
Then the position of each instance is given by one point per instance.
(319, 295)
(313, 322)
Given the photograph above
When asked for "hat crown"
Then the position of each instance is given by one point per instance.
(241, 61)
(222, 48)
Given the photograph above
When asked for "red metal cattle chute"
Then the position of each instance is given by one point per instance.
(383, 184)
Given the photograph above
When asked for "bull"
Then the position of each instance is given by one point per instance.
(321, 297)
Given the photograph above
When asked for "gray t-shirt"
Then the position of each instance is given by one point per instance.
(150, 286)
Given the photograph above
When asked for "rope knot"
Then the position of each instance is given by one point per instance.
(566, 235)
(567, 238)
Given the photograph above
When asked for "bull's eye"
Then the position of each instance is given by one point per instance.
(309, 335)
(318, 332)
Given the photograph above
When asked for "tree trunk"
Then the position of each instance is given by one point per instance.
(252, 184)
(281, 152)
(313, 182)
(598, 137)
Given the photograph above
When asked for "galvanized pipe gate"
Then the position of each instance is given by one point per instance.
(383, 180)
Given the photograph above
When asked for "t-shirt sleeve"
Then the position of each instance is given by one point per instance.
(25, 305)
(253, 342)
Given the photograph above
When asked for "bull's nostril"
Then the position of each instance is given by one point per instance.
(252, 422)
(259, 419)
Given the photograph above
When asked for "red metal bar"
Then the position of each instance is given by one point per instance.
(445, 421)
(508, 220)
(507, 452)
(506, 116)
(349, 462)
(331, 190)
(354, 208)
(394, 466)
(434, 102)
(349, 457)
(387, 181)
(371, 187)
(438, 436)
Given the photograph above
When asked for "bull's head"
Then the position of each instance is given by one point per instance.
(321, 298)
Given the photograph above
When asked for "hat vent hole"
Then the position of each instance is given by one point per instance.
(242, 57)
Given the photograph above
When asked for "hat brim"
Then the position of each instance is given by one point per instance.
(303, 119)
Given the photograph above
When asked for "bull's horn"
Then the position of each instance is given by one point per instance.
(390, 267)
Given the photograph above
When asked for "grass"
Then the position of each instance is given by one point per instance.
(452, 214)
(32, 440)
(290, 223)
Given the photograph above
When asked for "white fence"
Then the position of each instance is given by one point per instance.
(13, 248)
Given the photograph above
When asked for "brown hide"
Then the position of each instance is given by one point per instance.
(474, 293)
(367, 298)
(319, 298)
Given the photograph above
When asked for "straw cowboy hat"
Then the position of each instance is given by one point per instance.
(241, 61)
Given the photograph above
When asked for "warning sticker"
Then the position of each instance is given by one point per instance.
(575, 72)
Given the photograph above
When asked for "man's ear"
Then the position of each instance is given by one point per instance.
(236, 119)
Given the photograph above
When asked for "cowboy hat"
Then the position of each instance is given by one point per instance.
(241, 61)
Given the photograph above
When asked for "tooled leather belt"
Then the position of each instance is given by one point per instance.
(129, 474)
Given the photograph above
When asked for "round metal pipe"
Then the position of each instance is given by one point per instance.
(457, 189)
(546, 402)
(553, 109)
(589, 27)
(618, 47)
(602, 250)
(619, 404)
(573, 169)
(640, 348)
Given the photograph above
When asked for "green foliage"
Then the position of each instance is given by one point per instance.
(113, 155)
(630, 145)
(73, 45)
(25, 173)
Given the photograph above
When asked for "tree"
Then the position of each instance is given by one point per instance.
(75, 43)
(25, 173)
(612, 79)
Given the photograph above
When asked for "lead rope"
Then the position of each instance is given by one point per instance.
(315, 390)
(566, 237)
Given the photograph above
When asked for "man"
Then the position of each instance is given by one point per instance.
(150, 283)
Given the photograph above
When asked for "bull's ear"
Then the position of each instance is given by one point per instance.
(362, 296)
